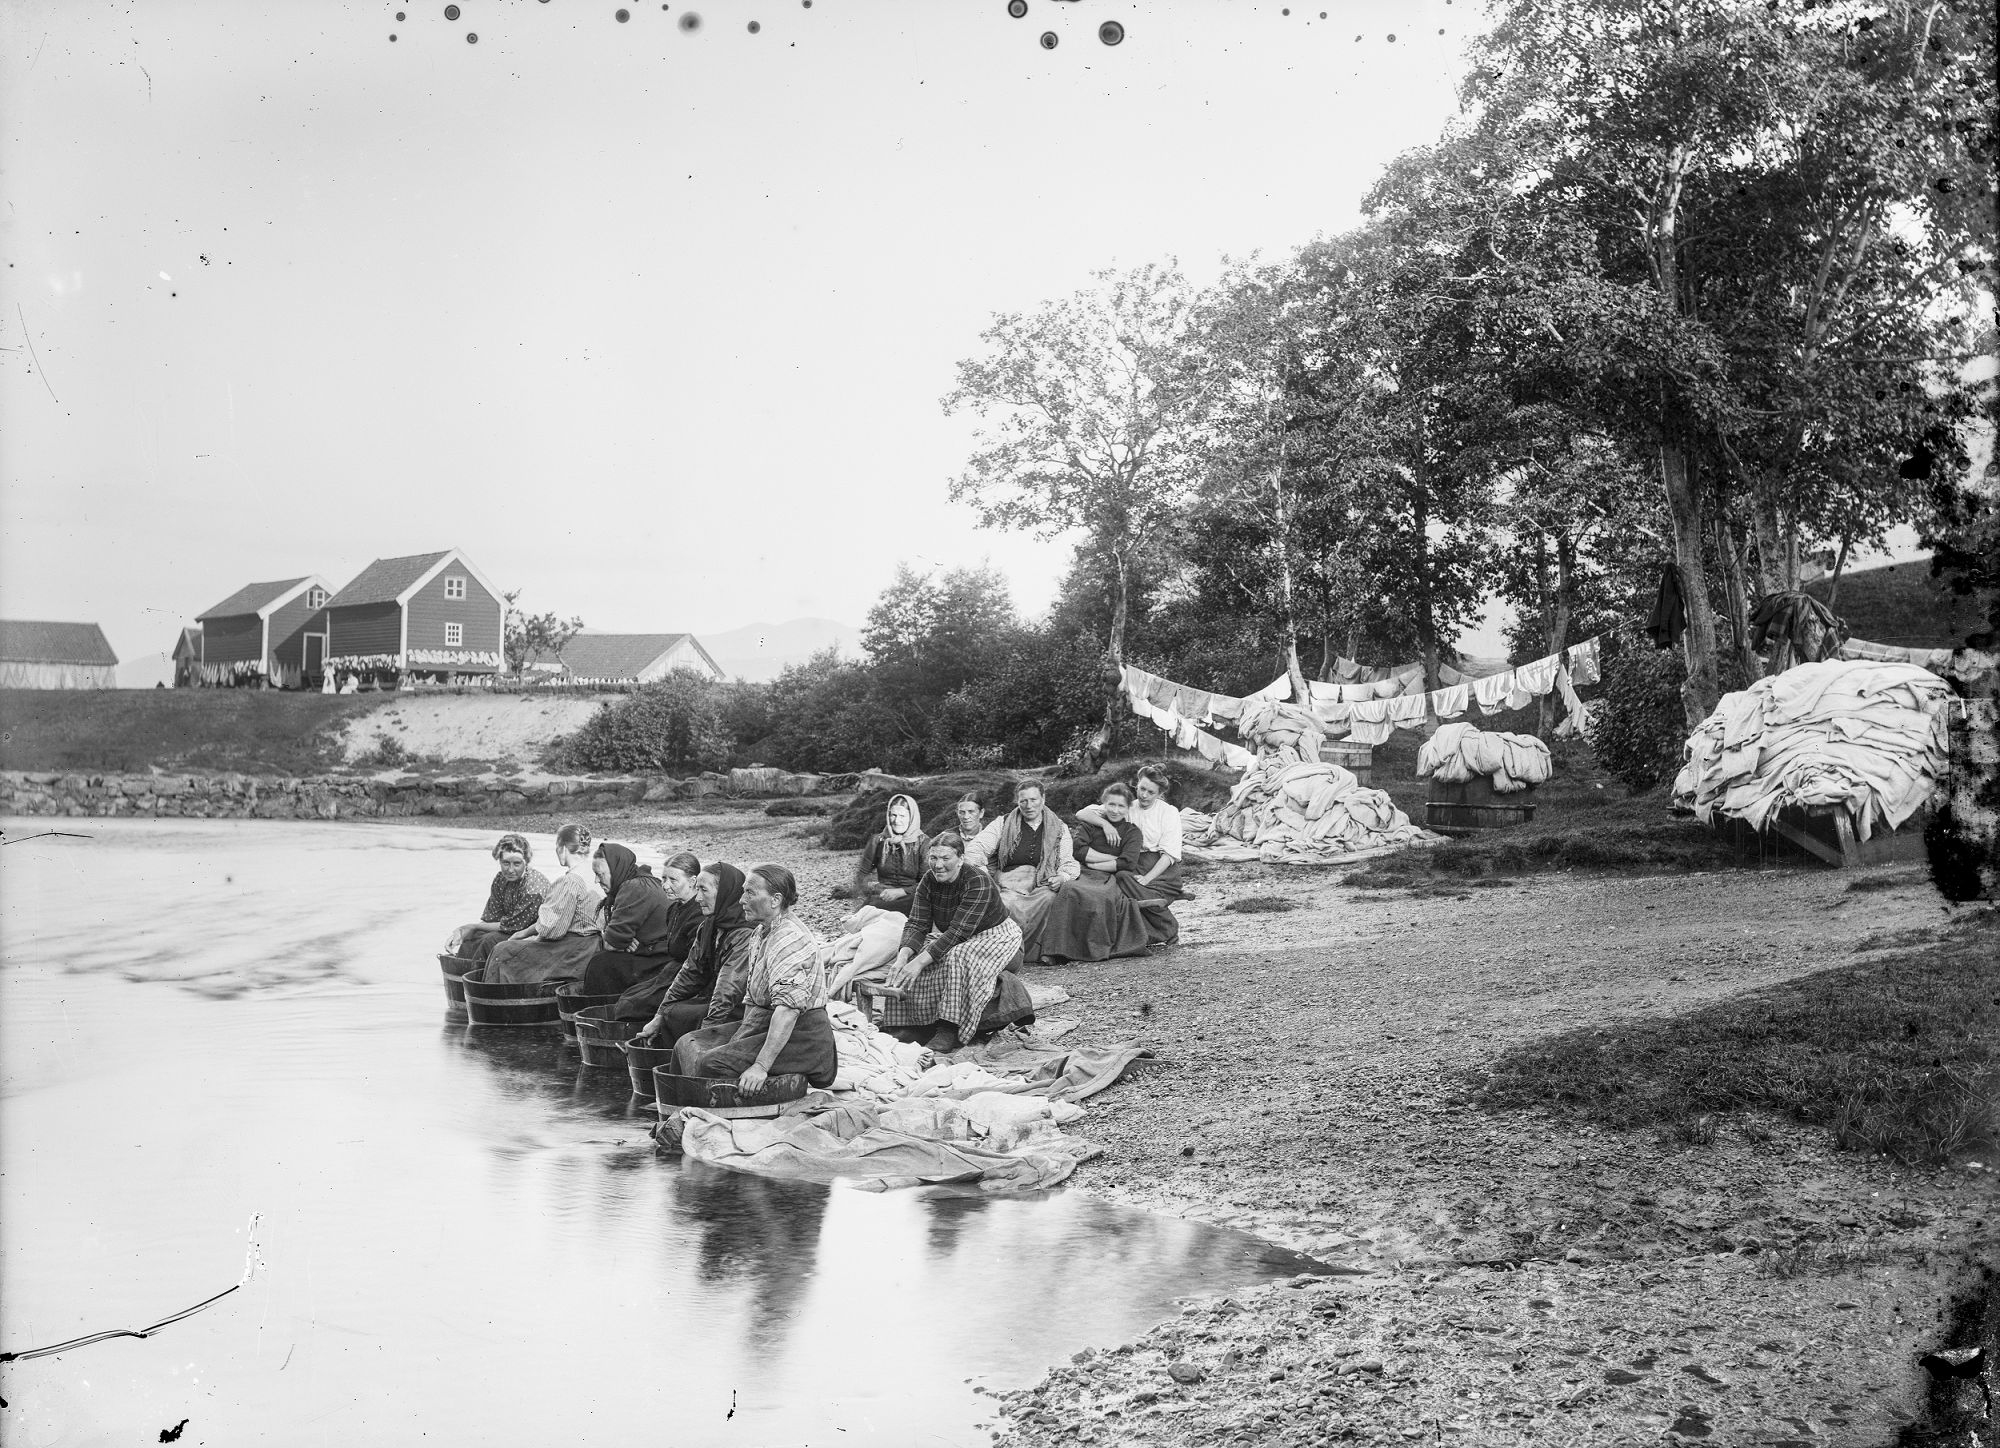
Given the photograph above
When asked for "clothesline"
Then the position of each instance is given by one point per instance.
(1369, 712)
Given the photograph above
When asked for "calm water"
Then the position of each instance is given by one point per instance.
(464, 1234)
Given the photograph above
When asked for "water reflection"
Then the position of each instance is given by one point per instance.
(463, 1222)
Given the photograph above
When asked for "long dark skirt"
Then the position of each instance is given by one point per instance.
(809, 1052)
(1093, 919)
(478, 944)
(523, 962)
(1156, 899)
(613, 972)
(641, 1000)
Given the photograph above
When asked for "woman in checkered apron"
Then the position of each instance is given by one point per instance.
(959, 939)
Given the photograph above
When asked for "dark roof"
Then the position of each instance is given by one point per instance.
(26, 641)
(250, 598)
(616, 656)
(386, 579)
(190, 643)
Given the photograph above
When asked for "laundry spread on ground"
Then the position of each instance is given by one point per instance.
(1459, 753)
(1863, 736)
(990, 1119)
(1292, 807)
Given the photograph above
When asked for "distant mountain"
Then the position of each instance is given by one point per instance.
(762, 650)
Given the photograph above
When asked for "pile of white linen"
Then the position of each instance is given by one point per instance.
(873, 1063)
(1458, 753)
(1291, 807)
(1869, 737)
(865, 952)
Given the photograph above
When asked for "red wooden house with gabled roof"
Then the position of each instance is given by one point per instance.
(428, 613)
(274, 630)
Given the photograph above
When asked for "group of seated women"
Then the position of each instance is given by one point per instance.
(1096, 892)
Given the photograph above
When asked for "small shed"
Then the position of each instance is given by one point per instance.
(35, 654)
(187, 657)
(614, 658)
(273, 631)
(425, 613)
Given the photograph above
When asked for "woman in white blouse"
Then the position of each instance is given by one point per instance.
(1158, 882)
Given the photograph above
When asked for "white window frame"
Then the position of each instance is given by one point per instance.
(316, 599)
(454, 586)
(454, 635)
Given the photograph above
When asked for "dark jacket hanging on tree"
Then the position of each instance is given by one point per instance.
(1669, 618)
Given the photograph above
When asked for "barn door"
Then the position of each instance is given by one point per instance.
(315, 658)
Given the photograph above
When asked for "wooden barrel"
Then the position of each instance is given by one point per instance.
(570, 999)
(601, 1039)
(1357, 759)
(454, 968)
(640, 1061)
(492, 1004)
(672, 1092)
(1449, 818)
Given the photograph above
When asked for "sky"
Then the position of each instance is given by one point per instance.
(653, 324)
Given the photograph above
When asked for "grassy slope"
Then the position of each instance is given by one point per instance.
(1902, 604)
(1899, 1054)
(130, 729)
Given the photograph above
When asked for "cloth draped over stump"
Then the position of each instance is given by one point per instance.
(1458, 753)
(1866, 737)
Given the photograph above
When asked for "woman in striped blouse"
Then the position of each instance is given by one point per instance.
(785, 1030)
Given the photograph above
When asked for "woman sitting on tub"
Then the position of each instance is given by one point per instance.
(512, 903)
(708, 988)
(646, 926)
(785, 1030)
(563, 936)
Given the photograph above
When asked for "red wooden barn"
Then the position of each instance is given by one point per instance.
(275, 630)
(429, 613)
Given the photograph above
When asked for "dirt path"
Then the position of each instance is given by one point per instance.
(1761, 1288)
(496, 728)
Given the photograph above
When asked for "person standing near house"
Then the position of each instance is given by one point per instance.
(1029, 853)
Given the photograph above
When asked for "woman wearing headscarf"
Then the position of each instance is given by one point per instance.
(959, 940)
(635, 920)
(785, 1030)
(1092, 917)
(706, 993)
(893, 857)
(563, 936)
(678, 877)
(512, 903)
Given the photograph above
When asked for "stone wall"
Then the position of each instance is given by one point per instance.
(339, 796)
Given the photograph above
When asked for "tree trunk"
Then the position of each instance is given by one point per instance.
(1703, 689)
(1288, 623)
(1099, 743)
(1839, 566)
(1545, 707)
(1426, 619)
(1734, 551)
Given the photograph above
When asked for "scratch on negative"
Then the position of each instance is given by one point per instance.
(31, 352)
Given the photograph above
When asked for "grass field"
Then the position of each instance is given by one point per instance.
(1897, 1054)
(1902, 604)
(93, 730)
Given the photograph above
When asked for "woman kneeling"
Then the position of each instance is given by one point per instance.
(959, 939)
(784, 1030)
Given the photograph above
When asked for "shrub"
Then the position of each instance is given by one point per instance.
(1641, 729)
(673, 726)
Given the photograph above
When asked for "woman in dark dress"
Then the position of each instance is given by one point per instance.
(785, 1030)
(707, 991)
(677, 877)
(892, 861)
(1092, 917)
(512, 903)
(636, 921)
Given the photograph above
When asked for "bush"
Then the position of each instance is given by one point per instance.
(1641, 729)
(673, 726)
